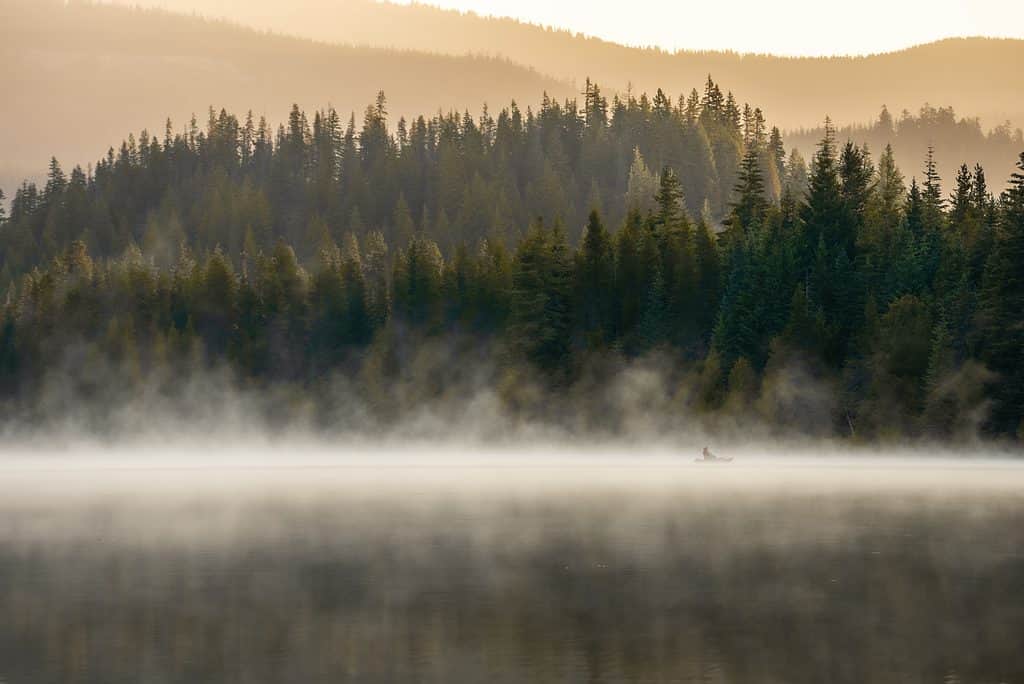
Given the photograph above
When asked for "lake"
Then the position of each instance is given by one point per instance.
(387, 566)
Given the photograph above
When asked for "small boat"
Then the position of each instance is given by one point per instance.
(708, 457)
(714, 459)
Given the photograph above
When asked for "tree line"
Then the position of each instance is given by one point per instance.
(295, 258)
(241, 185)
(911, 134)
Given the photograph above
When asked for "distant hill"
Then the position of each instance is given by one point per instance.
(76, 77)
(976, 76)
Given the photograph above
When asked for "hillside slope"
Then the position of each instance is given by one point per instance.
(76, 77)
(977, 77)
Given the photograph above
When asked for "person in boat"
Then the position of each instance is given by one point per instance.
(708, 457)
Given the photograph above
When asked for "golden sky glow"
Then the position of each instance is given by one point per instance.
(787, 27)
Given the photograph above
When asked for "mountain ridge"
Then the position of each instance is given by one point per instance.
(794, 91)
(81, 75)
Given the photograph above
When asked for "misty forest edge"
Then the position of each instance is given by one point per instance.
(544, 256)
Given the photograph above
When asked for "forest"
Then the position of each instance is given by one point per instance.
(556, 259)
(112, 69)
(954, 138)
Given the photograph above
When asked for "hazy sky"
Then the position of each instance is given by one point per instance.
(791, 27)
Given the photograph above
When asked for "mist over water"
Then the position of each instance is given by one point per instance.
(305, 390)
(314, 562)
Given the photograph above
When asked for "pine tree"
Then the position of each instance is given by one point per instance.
(595, 275)
(777, 150)
(417, 282)
(795, 178)
(823, 209)
(713, 104)
(375, 267)
(541, 299)
(641, 186)
(915, 208)
(982, 199)
(856, 175)
(1002, 300)
(670, 201)
(962, 199)
(933, 204)
(595, 107)
(889, 185)
(884, 211)
(56, 182)
(749, 207)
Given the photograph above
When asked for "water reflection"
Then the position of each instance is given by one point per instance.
(327, 576)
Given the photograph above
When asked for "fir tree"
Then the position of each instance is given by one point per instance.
(670, 201)
(750, 204)
(933, 203)
(595, 274)
(541, 299)
(823, 209)
(1001, 332)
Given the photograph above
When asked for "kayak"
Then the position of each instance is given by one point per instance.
(716, 459)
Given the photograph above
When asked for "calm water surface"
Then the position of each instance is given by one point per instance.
(592, 570)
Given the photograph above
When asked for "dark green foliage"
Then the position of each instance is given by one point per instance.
(221, 247)
(750, 192)
(823, 210)
(238, 185)
(1001, 315)
(417, 282)
(541, 313)
(595, 283)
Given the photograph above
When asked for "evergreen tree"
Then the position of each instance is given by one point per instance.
(962, 199)
(541, 299)
(856, 174)
(777, 150)
(1002, 335)
(595, 275)
(417, 282)
(749, 207)
(823, 209)
(795, 178)
(670, 203)
(933, 203)
(357, 305)
(375, 266)
(641, 187)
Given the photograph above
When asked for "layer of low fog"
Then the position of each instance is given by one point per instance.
(411, 388)
(313, 562)
(304, 468)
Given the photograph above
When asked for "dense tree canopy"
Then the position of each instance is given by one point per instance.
(556, 241)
